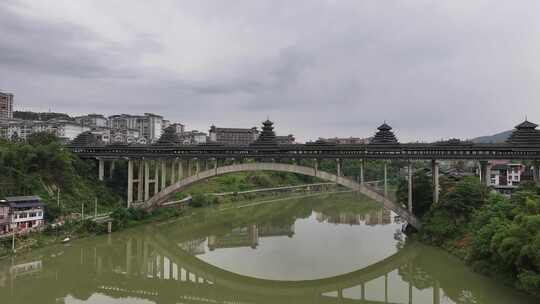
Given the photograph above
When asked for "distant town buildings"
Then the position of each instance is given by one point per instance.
(286, 140)
(509, 173)
(233, 136)
(92, 121)
(6, 106)
(129, 128)
(345, 140)
(123, 129)
(21, 129)
(21, 214)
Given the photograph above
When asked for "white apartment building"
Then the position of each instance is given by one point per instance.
(92, 121)
(6, 106)
(506, 174)
(149, 126)
(21, 129)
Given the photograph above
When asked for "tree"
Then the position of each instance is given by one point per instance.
(466, 196)
(422, 193)
(42, 138)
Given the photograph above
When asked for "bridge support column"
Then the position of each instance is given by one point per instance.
(410, 194)
(101, 169)
(536, 171)
(180, 170)
(111, 168)
(130, 183)
(316, 166)
(156, 176)
(386, 288)
(485, 170)
(362, 173)
(140, 180)
(189, 167)
(385, 178)
(173, 171)
(338, 165)
(436, 293)
(146, 180)
(435, 176)
(197, 167)
(163, 174)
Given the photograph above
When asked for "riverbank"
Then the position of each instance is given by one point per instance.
(495, 235)
(127, 218)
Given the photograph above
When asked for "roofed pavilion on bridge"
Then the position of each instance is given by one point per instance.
(525, 133)
(384, 135)
(267, 136)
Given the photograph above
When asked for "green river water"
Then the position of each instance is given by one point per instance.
(337, 248)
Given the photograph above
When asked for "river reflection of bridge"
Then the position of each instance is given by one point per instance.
(161, 271)
(147, 264)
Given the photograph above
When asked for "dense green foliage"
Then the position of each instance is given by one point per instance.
(43, 116)
(421, 192)
(244, 181)
(43, 167)
(499, 236)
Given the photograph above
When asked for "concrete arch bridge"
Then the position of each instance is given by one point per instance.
(160, 197)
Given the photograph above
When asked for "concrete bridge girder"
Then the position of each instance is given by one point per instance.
(363, 188)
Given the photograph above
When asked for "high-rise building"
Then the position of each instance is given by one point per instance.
(6, 106)
(149, 126)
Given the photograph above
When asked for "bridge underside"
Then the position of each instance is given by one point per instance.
(161, 197)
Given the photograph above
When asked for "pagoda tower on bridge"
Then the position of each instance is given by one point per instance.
(267, 136)
(384, 135)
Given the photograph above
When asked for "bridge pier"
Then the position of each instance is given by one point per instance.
(385, 178)
(362, 172)
(111, 168)
(386, 288)
(130, 183)
(156, 176)
(436, 293)
(163, 174)
(180, 170)
(146, 180)
(140, 181)
(338, 167)
(173, 171)
(101, 168)
(410, 188)
(485, 172)
(435, 176)
(536, 171)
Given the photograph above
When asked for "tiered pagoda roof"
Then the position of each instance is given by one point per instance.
(169, 137)
(267, 136)
(86, 139)
(384, 135)
(525, 133)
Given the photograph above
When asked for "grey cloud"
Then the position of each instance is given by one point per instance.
(319, 68)
(61, 48)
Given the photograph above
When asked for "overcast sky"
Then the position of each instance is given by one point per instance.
(431, 69)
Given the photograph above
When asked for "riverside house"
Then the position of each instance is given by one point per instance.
(4, 219)
(25, 213)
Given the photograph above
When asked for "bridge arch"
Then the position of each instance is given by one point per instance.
(160, 198)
